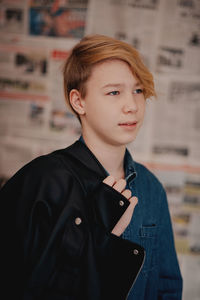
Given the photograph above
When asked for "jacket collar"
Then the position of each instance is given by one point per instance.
(82, 153)
(129, 165)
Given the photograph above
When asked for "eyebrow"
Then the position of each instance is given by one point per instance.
(120, 85)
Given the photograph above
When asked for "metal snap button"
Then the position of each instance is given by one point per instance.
(135, 252)
(121, 203)
(78, 221)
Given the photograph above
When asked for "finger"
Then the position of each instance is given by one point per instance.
(120, 185)
(109, 180)
(125, 218)
(127, 194)
(133, 201)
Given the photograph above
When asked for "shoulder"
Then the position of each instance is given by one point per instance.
(148, 179)
(45, 179)
(46, 165)
(46, 170)
(151, 193)
(145, 173)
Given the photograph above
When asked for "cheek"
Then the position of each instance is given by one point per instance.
(142, 107)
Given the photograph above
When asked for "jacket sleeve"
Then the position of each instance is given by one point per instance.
(30, 203)
(170, 279)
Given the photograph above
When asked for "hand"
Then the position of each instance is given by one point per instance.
(126, 217)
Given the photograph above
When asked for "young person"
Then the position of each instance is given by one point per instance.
(72, 226)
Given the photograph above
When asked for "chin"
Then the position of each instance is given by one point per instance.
(129, 138)
(125, 141)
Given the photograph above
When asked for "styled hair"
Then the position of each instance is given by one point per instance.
(93, 49)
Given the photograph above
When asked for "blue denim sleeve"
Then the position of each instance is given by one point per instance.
(170, 279)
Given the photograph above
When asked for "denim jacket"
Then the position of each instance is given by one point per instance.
(151, 227)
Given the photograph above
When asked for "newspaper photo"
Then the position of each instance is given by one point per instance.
(13, 16)
(57, 18)
(179, 46)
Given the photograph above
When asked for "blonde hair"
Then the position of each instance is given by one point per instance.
(97, 48)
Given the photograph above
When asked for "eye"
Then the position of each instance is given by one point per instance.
(138, 91)
(113, 93)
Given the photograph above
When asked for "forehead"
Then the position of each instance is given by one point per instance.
(112, 70)
(110, 63)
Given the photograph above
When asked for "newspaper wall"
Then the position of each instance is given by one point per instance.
(35, 39)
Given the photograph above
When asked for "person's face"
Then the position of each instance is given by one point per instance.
(114, 106)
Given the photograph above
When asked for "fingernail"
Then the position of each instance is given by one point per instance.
(136, 200)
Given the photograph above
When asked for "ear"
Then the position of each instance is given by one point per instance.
(76, 101)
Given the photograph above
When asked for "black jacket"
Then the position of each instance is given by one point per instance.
(57, 217)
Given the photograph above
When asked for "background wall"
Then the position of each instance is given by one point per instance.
(35, 39)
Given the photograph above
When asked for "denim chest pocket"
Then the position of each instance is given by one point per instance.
(149, 240)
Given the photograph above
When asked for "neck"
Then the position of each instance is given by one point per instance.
(111, 157)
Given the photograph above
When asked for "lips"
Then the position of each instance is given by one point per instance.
(128, 124)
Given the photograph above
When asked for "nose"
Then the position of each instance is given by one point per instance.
(130, 104)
